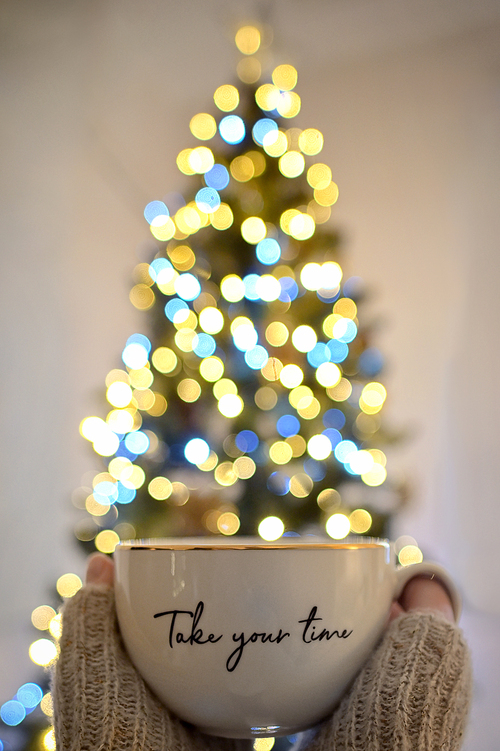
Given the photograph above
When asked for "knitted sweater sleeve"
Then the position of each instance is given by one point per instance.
(412, 695)
(100, 701)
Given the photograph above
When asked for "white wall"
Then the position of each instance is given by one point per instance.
(96, 102)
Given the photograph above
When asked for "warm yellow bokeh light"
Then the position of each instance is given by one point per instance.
(49, 740)
(346, 308)
(228, 523)
(291, 376)
(327, 196)
(285, 77)
(222, 218)
(211, 369)
(338, 526)
(165, 231)
(201, 160)
(106, 541)
(42, 652)
(299, 393)
(304, 338)
(328, 499)
(133, 477)
(242, 169)
(68, 585)
(55, 626)
(302, 226)
(267, 97)
(244, 467)
(231, 405)
(249, 69)
(376, 476)
(311, 141)
(266, 398)
(272, 369)
(271, 528)
(160, 488)
(263, 744)
(227, 97)
(410, 554)
(372, 398)
(319, 176)
(328, 374)
(247, 40)
(275, 143)
(41, 617)
(119, 394)
(319, 447)
(225, 474)
(142, 297)
(292, 164)
(360, 521)
(289, 104)
(203, 126)
(301, 485)
(277, 334)
(253, 230)
(232, 288)
(182, 162)
(341, 392)
(47, 704)
(280, 452)
(189, 390)
(224, 386)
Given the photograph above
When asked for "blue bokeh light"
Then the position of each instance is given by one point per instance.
(137, 442)
(343, 449)
(338, 350)
(288, 425)
(350, 331)
(155, 209)
(207, 200)
(250, 281)
(174, 306)
(30, 695)
(315, 469)
(187, 286)
(333, 436)
(106, 492)
(256, 357)
(268, 251)
(217, 177)
(371, 361)
(289, 289)
(318, 355)
(232, 129)
(334, 418)
(158, 265)
(261, 128)
(278, 483)
(125, 495)
(247, 441)
(204, 345)
(12, 712)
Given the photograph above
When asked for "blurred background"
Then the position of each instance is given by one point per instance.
(96, 101)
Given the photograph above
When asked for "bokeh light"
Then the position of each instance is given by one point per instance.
(271, 528)
(338, 526)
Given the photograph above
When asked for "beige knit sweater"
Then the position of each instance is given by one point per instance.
(412, 695)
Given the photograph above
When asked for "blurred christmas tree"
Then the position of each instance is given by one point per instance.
(252, 403)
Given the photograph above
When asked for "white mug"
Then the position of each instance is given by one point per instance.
(244, 638)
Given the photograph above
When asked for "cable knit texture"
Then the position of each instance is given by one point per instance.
(412, 695)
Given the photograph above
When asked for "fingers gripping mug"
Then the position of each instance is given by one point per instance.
(244, 638)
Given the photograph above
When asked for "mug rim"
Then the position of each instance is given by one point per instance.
(251, 543)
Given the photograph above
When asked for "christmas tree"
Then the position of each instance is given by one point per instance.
(249, 403)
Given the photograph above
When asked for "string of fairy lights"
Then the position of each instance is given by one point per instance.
(298, 365)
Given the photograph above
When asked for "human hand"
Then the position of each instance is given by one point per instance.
(100, 700)
(420, 594)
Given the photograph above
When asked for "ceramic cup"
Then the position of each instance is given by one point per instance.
(244, 638)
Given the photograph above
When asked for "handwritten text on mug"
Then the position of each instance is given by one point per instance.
(187, 631)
